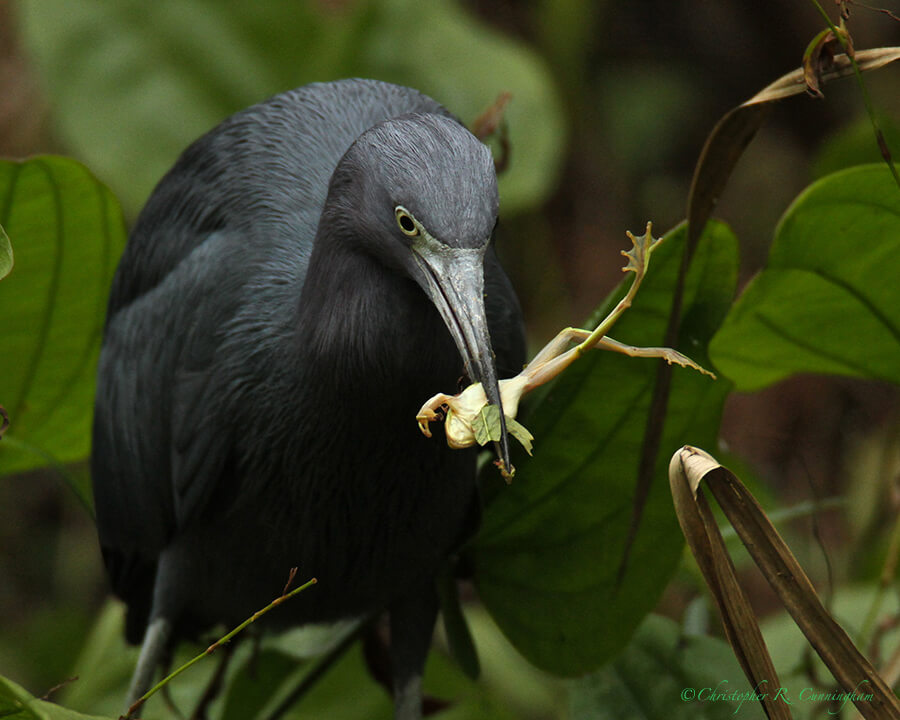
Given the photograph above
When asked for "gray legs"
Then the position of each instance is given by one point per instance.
(412, 625)
(156, 640)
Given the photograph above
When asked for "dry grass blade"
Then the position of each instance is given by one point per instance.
(723, 148)
(856, 675)
(708, 547)
(731, 135)
(794, 83)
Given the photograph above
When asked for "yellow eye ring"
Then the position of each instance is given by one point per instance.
(406, 222)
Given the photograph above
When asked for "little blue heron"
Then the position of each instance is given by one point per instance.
(304, 277)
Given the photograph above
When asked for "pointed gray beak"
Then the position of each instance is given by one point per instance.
(454, 280)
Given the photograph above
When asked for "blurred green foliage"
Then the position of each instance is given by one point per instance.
(258, 677)
(133, 83)
(850, 605)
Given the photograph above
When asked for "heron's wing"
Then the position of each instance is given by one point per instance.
(202, 430)
(161, 442)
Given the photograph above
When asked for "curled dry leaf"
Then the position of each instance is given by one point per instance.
(819, 56)
(794, 83)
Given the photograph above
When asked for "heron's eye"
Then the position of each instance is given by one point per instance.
(406, 222)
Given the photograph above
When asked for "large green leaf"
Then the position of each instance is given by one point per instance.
(663, 675)
(17, 704)
(68, 232)
(828, 300)
(552, 542)
(133, 82)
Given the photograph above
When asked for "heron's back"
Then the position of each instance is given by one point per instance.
(263, 173)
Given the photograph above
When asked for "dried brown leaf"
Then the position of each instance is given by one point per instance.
(490, 120)
(689, 468)
(794, 84)
(706, 544)
(819, 57)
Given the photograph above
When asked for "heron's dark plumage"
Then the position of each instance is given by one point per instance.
(263, 363)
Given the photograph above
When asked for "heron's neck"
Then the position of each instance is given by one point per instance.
(368, 329)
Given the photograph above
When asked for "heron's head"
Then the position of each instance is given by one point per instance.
(419, 192)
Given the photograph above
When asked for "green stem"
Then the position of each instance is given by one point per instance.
(215, 646)
(867, 101)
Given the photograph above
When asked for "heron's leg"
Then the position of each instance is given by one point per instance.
(412, 625)
(153, 649)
